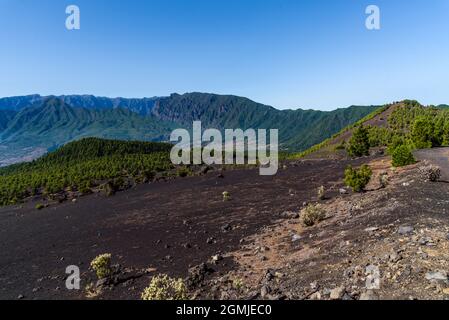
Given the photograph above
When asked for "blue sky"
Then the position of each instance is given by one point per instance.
(288, 54)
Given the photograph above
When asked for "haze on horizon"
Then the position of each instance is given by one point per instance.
(288, 54)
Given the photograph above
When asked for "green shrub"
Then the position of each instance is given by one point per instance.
(102, 265)
(402, 156)
(162, 287)
(422, 133)
(39, 206)
(312, 214)
(183, 172)
(358, 179)
(359, 143)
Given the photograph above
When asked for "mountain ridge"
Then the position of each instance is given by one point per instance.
(35, 121)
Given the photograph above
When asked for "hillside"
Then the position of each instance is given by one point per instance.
(82, 167)
(34, 122)
(5, 117)
(403, 123)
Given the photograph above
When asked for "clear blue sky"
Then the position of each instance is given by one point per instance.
(288, 54)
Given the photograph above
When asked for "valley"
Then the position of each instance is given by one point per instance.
(31, 123)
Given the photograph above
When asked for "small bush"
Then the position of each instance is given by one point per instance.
(312, 214)
(238, 284)
(226, 196)
(183, 172)
(430, 173)
(162, 287)
(358, 179)
(402, 156)
(321, 193)
(102, 265)
(39, 206)
(383, 180)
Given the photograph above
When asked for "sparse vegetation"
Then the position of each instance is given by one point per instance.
(321, 193)
(226, 196)
(102, 265)
(162, 287)
(359, 143)
(357, 179)
(238, 284)
(183, 172)
(39, 206)
(383, 180)
(402, 156)
(312, 215)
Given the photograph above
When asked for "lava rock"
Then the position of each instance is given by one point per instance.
(403, 230)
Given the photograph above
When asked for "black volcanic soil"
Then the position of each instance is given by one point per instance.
(164, 225)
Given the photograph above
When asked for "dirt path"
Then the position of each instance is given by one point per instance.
(438, 157)
(166, 225)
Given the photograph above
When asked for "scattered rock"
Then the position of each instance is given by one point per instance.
(210, 240)
(315, 296)
(369, 295)
(265, 291)
(197, 274)
(20, 297)
(371, 229)
(337, 293)
(437, 275)
(343, 191)
(394, 257)
(225, 228)
(403, 230)
(269, 276)
(217, 258)
(296, 237)
(314, 286)
(289, 215)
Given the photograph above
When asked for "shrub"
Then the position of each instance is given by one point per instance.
(39, 206)
(312, 214)
(422, 133)
(402, 156)
(430, 173)
(183, 172)
(383, 180)
(226, 196)
(102, 265)
(358, 179)
(109, 188)
(162, 287)
(321, 193)
(238, 284)
(359, 143)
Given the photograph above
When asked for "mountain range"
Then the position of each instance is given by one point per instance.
(34, 122)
